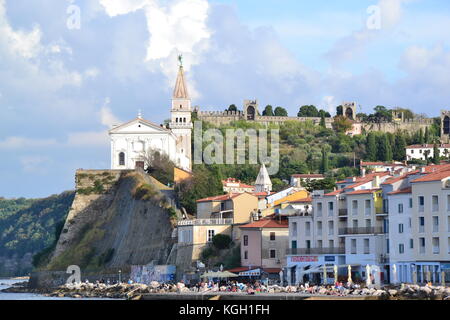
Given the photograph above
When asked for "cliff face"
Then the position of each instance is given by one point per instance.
(117, 219)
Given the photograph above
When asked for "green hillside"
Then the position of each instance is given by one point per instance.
(27, 226)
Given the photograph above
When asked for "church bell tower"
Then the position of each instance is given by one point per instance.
(181, 124)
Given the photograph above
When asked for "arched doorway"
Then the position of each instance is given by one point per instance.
(349, 113)
(446, 125)
(251, 113)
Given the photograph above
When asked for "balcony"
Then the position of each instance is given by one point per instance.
(307, 251)
(383, 258)
(362, 230)
(205, 222)
(343, 212)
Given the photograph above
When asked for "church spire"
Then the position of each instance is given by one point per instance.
(263, 182)
(180, 91)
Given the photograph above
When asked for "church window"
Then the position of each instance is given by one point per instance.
(121, 159)
(176, 120)
(181, 106)
(184, 120)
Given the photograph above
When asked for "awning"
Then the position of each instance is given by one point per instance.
(250, 273)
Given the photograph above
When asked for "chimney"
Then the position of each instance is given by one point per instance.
(423, 170)
(376, 182)
(363, 172)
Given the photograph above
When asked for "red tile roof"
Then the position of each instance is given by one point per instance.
(334, 193)
(267, 223)
(380, 164)
(429, 146)
(233, 180)
(308, 176)
(220, 198)
(402, 191)
(368, 191)
(437, 176)
(305, 200)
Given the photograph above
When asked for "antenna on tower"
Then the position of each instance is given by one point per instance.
(140, 114)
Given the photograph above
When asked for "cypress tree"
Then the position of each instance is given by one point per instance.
(400, 147)
(436, 155)
(371, 147)
(325, 165)
(322, 121)
(421, 138)
(427, 135)
(384, 148)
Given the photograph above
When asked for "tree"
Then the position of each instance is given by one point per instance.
(421, 137)
(436, 155)
(280, 112)
(159, 166)
(322, 122)
(384, 148)
(232, 108)
(372, 148)
(382, 114)
(426, 153)
(427, 135)
(342, 124)
(325, 114)
(308, 112)
(268, 111)
(400, 147)
(325, 164)
(221, 241)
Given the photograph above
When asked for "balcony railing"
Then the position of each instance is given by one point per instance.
(306, 251)
(205, 222)
(361, 230)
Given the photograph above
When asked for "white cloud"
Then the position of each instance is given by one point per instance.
(22, 142)
(107, 118)
(35, 164)
(88, 139)
(178, 27)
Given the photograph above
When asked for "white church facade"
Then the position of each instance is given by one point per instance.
(131, 141)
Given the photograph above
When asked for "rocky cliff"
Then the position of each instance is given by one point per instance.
(117, 219)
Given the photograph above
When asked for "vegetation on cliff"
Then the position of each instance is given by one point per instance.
(27, 226)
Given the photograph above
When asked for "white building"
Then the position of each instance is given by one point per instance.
(421, 151)
(130, 142)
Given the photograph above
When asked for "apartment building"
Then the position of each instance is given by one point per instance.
(423, 151)
(346, 227)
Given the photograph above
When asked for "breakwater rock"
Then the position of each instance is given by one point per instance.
(137, 291)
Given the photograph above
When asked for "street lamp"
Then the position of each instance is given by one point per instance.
(120, 276)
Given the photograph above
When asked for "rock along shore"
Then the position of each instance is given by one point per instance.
(140, 291)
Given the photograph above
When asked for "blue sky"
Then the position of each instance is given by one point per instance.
(61, 88)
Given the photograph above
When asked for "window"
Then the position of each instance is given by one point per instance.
(410, 223)
(421, 203)
(330, 228)
(448, 245)
(272, 236)
(435, 224)
(411, 243)
(330, 208)
(308, 229)
(354, 207)
(319, 228)
(294, 229)
(353, 246)
(422, 245)
(368, 223)
(294, 244)
(121, 159)
(273, 254)
(400, 208)
(448, 202)
(401, 248)
(308, 244)
(435, 203)
(211, 234)
(245, 240)
(367, 207)
(355, 223)
(400, 228)
(387, 246)
(448, 224)
(319, 244)
(245, 255)
(319, 209)
(330, 243)
(410, 202)
(366, 246)
(385, 206)
(421, 224)
(436, 248)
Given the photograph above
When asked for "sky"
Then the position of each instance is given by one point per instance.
(70, 69)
